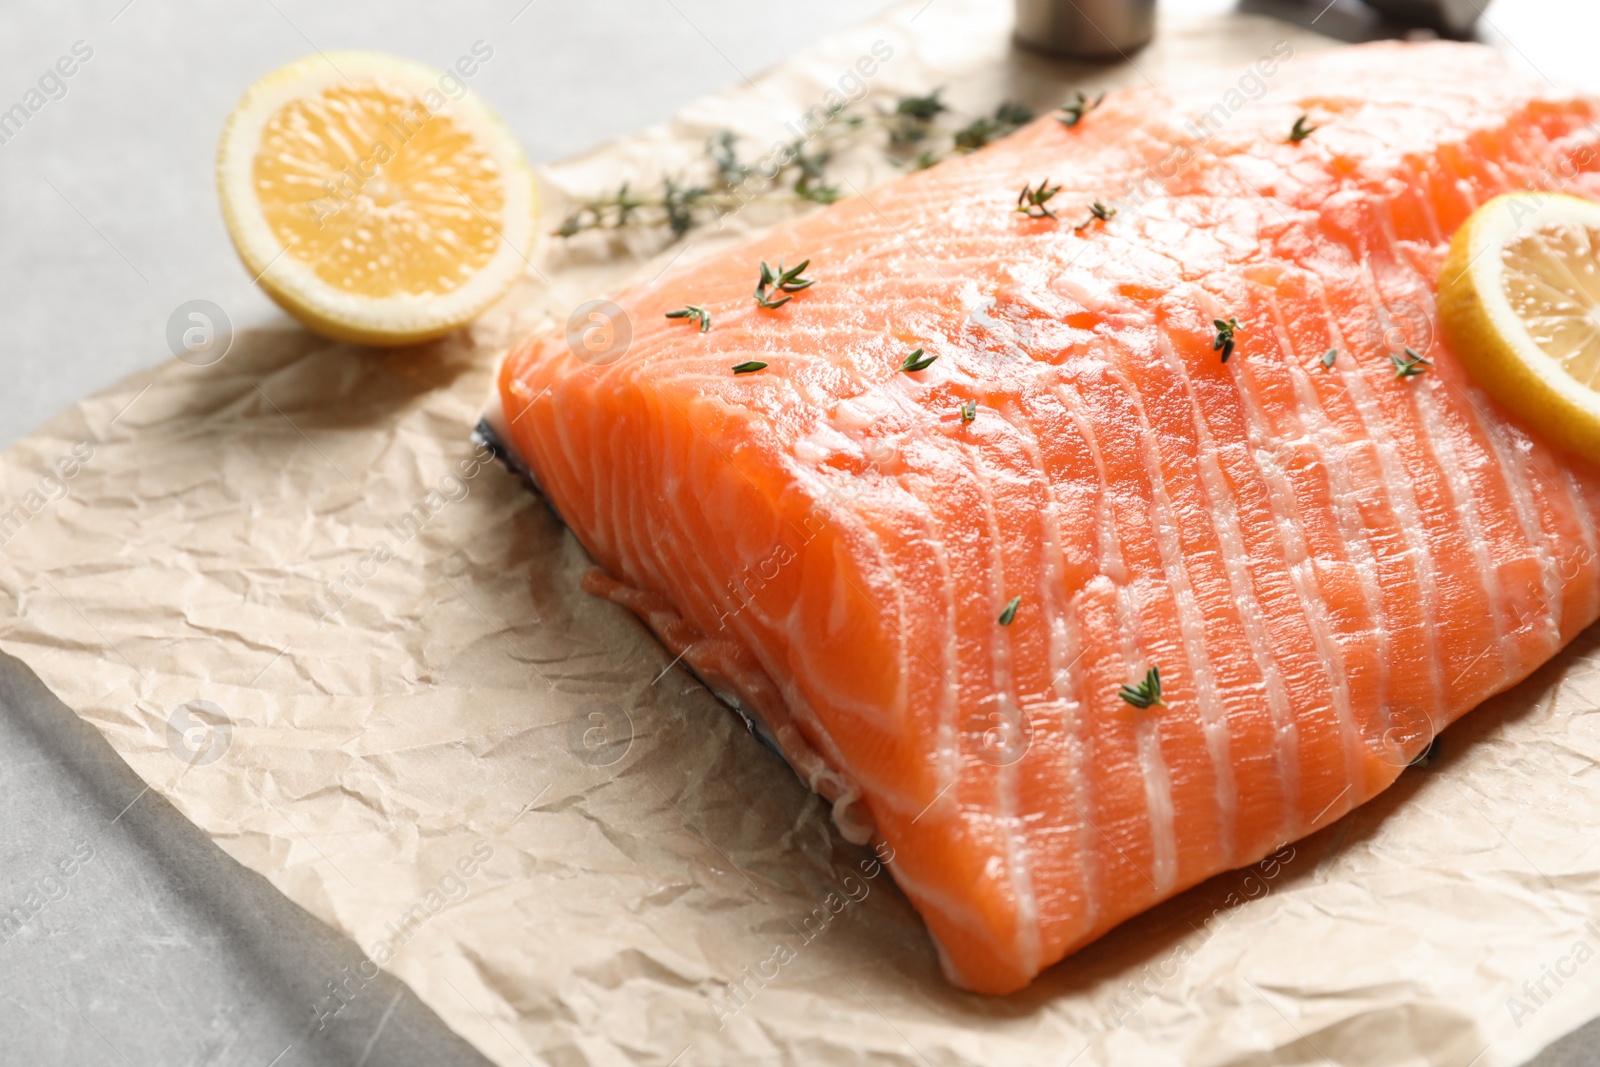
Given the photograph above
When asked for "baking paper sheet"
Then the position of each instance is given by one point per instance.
(301, 605)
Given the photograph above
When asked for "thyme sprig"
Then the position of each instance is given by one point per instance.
(1147, 693)
(810, 169)
(1225, 337)
(1032, 202)
(1409, 365)
(1072, 114)
(916, 361)
(674, 207)
(781, 281)
(913, 133)
(985, 130)
(682, 205)
(1098, 212)
(725, 158)
(694, 313)
(1301, 131)
(910, 121)
(979, 133)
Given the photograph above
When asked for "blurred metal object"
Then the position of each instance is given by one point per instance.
(1086, 29)
(1453, 18)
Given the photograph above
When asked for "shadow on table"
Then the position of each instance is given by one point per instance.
(157, 946)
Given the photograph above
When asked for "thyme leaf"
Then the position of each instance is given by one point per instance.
(795, 172)
(1147, 693)
(1301, 131)
(917, 361)
(694, 313)
(1010, 611)
(983, 131)
(1410, 365)
(1224, 340)
(969, 411)
(725, 159)
(780, 281)
(922, 108)
(1098, 212)
(1072, 114)
(749, 367)
(809, 185)
(1031, 202)
(911, 121)
(1329, 356)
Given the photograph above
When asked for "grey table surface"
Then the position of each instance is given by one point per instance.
(156, 947)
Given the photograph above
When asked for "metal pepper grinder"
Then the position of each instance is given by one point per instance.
(1086, 29)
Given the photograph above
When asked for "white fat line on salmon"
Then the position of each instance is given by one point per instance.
(1516, 487)
(1540, 544)
(52, 487)
(1467, 503)
(737, 995)
(1114, 571)
(1107, 838)
(1536, 991)
(1549, 601)
(1508, 456)
(753, 578)
(1019, 863)
(1397, 487)
(1586, 530)
(851, 88)
(452, 887)
(337, 593)
(833, 493)
(1191, 620)
(1229, 527)
(1549, 184)
(1152, 978)
(1300, 570)
(1150, 183)
(1315, 431)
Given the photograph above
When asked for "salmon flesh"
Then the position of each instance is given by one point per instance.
(1179, 432)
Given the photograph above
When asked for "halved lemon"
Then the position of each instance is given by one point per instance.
(377, 200)
(1519, 303)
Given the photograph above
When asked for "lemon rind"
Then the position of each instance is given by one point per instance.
(292, 284)
(1488, 337)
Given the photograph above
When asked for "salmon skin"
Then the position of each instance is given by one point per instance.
(933, 586)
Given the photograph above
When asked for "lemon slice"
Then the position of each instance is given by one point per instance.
(1519, 302)
(376, 199)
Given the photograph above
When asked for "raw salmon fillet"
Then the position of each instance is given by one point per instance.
(1327, 564)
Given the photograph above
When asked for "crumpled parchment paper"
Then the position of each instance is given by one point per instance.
(303, 607)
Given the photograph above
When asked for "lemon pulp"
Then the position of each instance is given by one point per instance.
(377, 195)
(1552, 281)
(1519, 305)
(369, 203)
